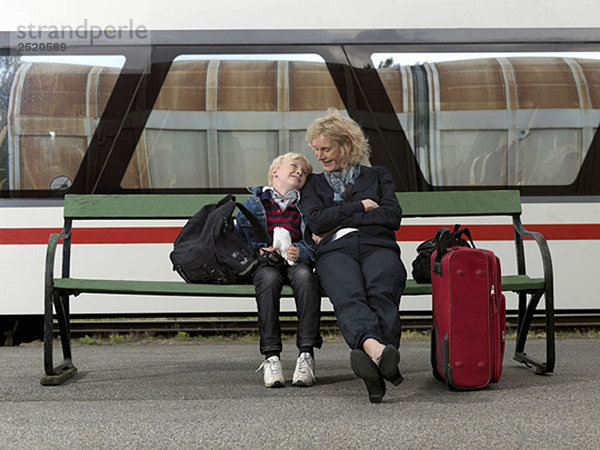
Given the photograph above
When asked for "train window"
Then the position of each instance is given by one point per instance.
(496, 119)
(49, 109)
(219, 120)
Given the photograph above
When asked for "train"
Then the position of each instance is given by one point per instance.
(480, 102)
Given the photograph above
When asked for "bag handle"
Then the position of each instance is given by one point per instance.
(446, 238)
(225, 199)
(440, 231)
(458, 232)
(443, 236)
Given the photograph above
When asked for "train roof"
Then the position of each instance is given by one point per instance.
(307, 14)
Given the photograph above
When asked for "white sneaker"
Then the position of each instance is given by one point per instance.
(273, 375)
(304, 374)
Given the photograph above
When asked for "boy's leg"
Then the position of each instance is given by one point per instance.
(308, 305)
(268, 282)
(308, 302)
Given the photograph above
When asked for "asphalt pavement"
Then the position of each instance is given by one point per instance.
(208, 395)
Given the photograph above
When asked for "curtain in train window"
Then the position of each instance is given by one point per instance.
(495, 119)
(220, 120)
(49, 109)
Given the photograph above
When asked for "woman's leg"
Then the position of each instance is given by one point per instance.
(373, 348)
(341, 276)
(384, 277)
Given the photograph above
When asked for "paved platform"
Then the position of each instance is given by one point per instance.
(207, 395)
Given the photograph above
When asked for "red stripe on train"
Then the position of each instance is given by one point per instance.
(166, 235)
(119, 235)
(504, 232)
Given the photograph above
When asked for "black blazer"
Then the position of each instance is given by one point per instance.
(324, 215)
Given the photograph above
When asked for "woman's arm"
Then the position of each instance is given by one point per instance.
(389, 212)
(323, 215)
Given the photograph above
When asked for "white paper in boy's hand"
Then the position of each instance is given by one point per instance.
(281, 241)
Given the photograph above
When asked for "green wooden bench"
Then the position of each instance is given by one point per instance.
(144, 207)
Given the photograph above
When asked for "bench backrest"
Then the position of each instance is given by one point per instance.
(460, 203)
(138, 206)
(181, 206)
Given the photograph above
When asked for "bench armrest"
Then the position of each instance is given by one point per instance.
(526, 311)
(544, 252)
(51, 256)
(56, 375)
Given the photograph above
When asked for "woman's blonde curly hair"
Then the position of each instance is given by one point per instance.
(343, 131)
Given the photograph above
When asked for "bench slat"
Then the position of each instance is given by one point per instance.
(459, 203)
(134, 206)
(509, 283)
(181, 206)
(157, 288)
(512, 283)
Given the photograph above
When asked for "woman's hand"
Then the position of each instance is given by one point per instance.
(292, 253)
(369, 204)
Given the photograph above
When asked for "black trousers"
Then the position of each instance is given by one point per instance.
(364, 280)
(268, 281)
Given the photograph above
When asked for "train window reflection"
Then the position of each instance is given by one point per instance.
(219, 120)
(496, 119)
(49, 109)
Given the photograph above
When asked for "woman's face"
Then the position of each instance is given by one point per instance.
(328, 153)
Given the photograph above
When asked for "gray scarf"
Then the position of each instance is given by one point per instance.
(339, 180)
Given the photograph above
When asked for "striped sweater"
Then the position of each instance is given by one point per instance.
(288, 218)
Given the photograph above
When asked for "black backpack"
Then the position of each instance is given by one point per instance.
(422, 264)
(210, 250)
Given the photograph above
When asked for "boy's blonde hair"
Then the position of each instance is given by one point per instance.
(282, 159)
(343, 131)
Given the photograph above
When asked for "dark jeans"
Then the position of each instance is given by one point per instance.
(268, 281)
(364, 282)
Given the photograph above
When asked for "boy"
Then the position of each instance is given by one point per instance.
(278, 205)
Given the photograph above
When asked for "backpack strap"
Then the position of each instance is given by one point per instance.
(259, 230)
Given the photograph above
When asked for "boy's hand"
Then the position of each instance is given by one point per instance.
(292, 253)
(267, 249)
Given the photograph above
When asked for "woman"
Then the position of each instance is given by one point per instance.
(353, 212)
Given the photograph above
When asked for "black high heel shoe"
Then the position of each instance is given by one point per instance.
(388, 365)
(364, 367)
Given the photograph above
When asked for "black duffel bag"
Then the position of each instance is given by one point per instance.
(210, 250)
(422, 264)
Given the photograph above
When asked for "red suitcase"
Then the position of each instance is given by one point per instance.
(469, 318)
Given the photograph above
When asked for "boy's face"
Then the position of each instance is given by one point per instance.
(291, 175)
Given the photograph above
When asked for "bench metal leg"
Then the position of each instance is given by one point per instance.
(56, 375)
(524, 323)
